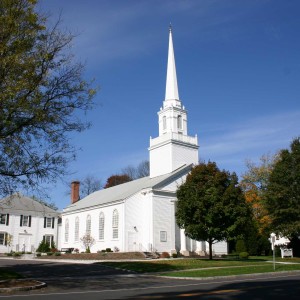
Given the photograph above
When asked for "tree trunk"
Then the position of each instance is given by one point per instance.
(210, 248)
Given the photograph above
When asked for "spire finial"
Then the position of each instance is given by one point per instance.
(170, 27)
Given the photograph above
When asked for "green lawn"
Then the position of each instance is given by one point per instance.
(264, 268)
(7, 274)
(257, 263)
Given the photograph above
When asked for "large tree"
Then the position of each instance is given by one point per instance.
(42, 92)
(211, 206)
(254, 184)
(283, 192)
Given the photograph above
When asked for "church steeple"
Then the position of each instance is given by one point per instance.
(173, 147)
(171, 83)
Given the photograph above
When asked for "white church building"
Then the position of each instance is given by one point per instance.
(140, 215)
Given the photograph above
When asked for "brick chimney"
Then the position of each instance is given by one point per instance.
(75, 191)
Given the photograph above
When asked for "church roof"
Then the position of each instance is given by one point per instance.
(125, 190)
(20, 204)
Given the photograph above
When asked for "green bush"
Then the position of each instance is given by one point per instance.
(16, 254)
(240, 246)
(9, 254)
(88, 250)
(49, 253)
(38, 254)
(43, 247)
(174, 255)
(244, 255)
(108, 250)
(57, 254)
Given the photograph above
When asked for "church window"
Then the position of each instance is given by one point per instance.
(67, 231)
(163, 236)
(101, 226)
(164, 123)
(76, 235)
(115, 224)
(88, 225)
(179, 122)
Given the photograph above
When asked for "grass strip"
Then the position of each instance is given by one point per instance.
(178, 264)
(266, 268)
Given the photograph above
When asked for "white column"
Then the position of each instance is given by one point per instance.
(183, 249)
(200, 248)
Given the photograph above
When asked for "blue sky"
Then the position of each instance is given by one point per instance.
(238, 70)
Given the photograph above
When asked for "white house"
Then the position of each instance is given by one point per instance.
(140, 215)
(24, 223)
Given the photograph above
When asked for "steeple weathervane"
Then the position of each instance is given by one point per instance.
(171, 84)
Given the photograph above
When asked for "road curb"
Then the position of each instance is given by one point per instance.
(35, 285)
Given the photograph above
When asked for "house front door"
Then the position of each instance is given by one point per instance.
(25, 242)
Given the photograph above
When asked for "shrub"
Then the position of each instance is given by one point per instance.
(57, 254)
(174, 255)
(43, 247)
(88, 250)
(240, 246)
(108, 250)
(16, 254)
(244, 255)
(9, 254)
(165, 255)
(49, 253)
(38, 254)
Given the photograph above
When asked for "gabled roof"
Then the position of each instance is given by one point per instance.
(123, 191)
(20, 203)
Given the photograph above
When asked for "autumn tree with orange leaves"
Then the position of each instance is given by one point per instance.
(254, 183)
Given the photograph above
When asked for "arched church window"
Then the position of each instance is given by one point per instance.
(115, 224)
(101, 226)
(76, 235)
(67, 230)
(88, 225)
(164, 123)
(179, 122)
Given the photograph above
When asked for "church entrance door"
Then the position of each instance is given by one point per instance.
(132, 241)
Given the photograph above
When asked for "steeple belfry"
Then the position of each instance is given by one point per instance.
(171, 83)
(173, 148)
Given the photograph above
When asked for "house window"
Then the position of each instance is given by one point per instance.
(163, 236)
(67, 231)
(76, 236)
(179, 122)
(164, 123)
(4, 218)
(101, 226)
(48, 222)
(25, 221)
(88, 225)
(2, 238)
(115, 224)
(49, 239)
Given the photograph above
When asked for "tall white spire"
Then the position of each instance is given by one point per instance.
(171, 84)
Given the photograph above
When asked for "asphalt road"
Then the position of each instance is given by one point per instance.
(92, 281)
